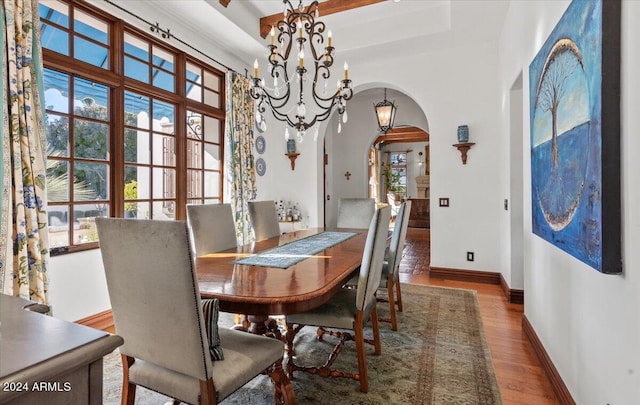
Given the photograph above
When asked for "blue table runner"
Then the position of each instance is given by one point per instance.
(294, 252)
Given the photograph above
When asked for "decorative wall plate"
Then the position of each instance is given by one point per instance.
(261, 166)
(261, 125)
(261, 144)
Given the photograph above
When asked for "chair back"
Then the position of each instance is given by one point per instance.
(396, 247)
(154, 293)
(211, 227)
(355, 212)
(372, 260)
(264, 219)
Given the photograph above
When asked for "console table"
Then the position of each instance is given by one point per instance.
(45, 360)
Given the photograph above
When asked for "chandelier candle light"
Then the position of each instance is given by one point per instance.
(299, 30)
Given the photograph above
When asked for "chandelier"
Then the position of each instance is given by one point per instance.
(386, 113)
(301, 34)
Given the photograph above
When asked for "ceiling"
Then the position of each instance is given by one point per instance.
(381, 30)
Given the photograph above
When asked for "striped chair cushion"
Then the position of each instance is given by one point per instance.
(210, 309)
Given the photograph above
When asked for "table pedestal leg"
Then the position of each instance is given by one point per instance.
(263, 325)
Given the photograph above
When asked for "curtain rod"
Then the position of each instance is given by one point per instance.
(166, 34)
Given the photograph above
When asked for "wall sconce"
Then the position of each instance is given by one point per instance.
(420, 163)
(463, 144)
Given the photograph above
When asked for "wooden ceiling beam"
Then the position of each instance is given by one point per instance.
(403, 134)
(325, 8)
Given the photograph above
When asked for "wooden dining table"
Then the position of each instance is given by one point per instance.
(260, 291)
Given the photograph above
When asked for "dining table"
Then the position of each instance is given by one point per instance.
(261, 289)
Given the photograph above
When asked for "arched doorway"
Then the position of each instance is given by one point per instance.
(346, 159)
(399, 170)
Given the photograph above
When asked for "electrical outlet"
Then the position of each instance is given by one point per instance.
(469, 256)
(444, 202)
(506, 204)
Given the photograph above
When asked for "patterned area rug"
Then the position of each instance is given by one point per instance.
(438, 355)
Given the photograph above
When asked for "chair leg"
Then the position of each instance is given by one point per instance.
(398, 295)
(376, 331)
(207, 392)
(392, 304)
(362, 361)
(128, 389)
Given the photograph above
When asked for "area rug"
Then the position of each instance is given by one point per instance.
(439, 355)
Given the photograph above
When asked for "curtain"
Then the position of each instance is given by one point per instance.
(373, 174)
(24, 241)
(240, 174)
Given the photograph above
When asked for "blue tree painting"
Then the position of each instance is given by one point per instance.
(574, 87)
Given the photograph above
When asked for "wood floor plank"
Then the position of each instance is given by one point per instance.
(520, 376)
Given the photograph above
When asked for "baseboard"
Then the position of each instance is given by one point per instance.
(484, 277)
(561, 390)
(513, 296)
(102, 320)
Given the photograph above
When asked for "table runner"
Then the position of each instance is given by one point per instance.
(294, 252)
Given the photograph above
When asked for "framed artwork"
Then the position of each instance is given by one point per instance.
(574, 90)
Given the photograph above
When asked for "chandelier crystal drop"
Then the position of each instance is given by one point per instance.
(300, 36)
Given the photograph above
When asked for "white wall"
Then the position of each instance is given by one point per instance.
(280, 182)
(456, 86)
(589, 323)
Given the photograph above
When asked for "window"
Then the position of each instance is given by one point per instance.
(78, 132)
(148, 63)
(139, 144)
(150, 158)
(398, 178)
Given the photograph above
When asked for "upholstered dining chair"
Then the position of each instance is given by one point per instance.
(211, 228)
(264, 219)
(391, 200)
(355, 212)
(348, 309)
(391, 265)
(168, 347)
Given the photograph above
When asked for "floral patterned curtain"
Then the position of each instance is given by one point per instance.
(240, 173)
(24, 236)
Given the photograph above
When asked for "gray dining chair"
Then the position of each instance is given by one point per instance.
(168, 346)
(211, 227)
(264, 219)
(348, 309)
(355, 212)
(391, 266)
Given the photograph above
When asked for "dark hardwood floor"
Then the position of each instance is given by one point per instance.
(520, 377)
